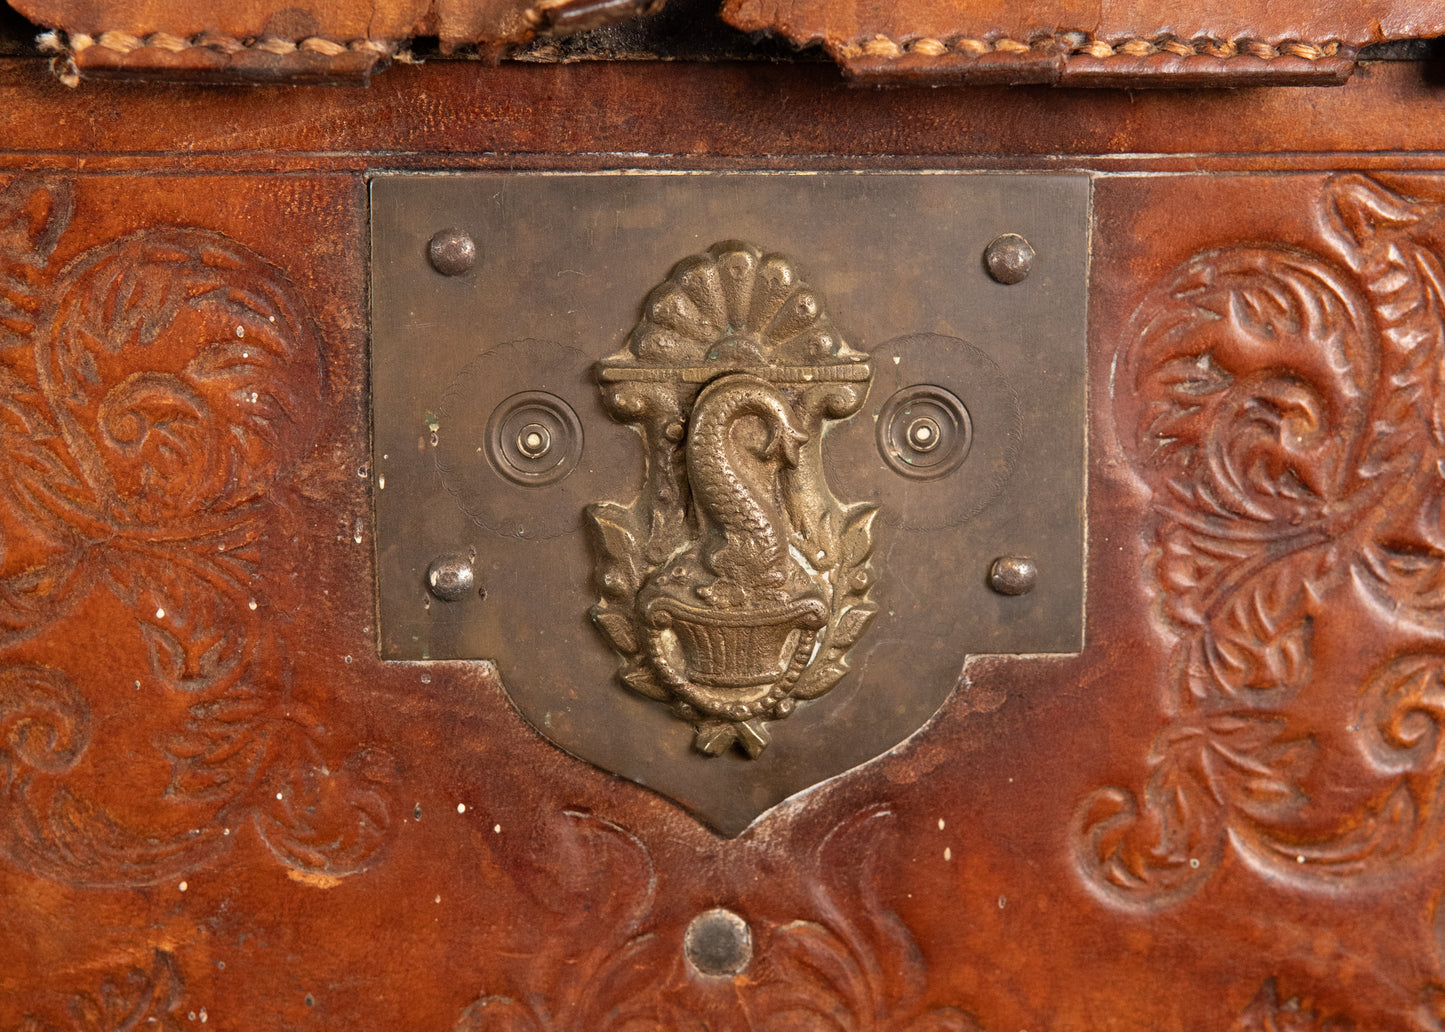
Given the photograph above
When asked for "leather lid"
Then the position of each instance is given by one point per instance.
(1115, 42)
(1072, 42)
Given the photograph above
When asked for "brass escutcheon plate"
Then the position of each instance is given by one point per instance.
(719, 468)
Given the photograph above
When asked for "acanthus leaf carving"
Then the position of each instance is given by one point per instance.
(1267, 1013)
(1285, 411)
(154, 400)
(848, 962)
(34, 214)
(147, 998)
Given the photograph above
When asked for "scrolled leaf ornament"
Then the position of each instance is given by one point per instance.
(157, 402)
(734, 586)
(1282, 407)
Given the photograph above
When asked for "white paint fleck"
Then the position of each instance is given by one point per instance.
(437, 900)
(252, 605)
(1299, 859)
(1194, 862)
(947, 853)
(381, 482)
(940, 824)
(357, 528)
(1002, 902)
(225, 831)
(137, 686)
(426, 678)
(245, 354)
(160, 614)
(278, 795)
(461, 807)
(497, 828)
(203, 1015)
(897, 359)
(240, 331)
(183, 886)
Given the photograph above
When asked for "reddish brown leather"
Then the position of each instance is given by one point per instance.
(1110, 41)
(455, 20)
(265, 40)
(1027, 862)
(1084, 42)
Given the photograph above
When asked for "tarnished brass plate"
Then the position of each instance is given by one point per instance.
(729, 473)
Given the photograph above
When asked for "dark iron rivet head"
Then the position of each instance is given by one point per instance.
(452, 252)
(718, 943)
(1009, 258)
(450, 577)
(1013, 575)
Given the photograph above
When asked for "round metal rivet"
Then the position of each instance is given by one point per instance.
(450, 577)
(924, 432)
(452, 252)
(1009, 258)
(1013, 575)
(718, 943)
(534, 439)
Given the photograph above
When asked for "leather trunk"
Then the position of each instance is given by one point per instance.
(224, 804)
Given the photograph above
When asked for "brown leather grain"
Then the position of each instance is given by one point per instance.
(454, 21)
(1239, 41)
(220, 809)
(1114, 42)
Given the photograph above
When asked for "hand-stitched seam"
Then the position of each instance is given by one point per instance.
(126, 43)
(1073, 46)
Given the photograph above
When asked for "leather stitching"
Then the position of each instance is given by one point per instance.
(125, 43)
(1074, 46)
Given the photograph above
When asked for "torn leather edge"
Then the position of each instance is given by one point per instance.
(216, 58)
(1075, 60)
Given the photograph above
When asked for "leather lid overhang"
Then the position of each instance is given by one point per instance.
(267, 40)
(1071, 42)
(457, 21)
(1083, 41)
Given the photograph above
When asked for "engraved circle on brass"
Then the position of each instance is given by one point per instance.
(534, 439)
(506, 440)
(718, 943)
(936, 401)
(924, 432)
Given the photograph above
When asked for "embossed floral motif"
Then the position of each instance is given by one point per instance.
(849, 964)
(1266, 1013)
(134, 1000)
(157, 402)
(1285, 412)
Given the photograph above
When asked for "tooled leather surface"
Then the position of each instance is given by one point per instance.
(933, 37)
(454, 21)
(853, 31)
(833, 22)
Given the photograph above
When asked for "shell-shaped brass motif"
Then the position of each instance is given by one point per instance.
(736, 584)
